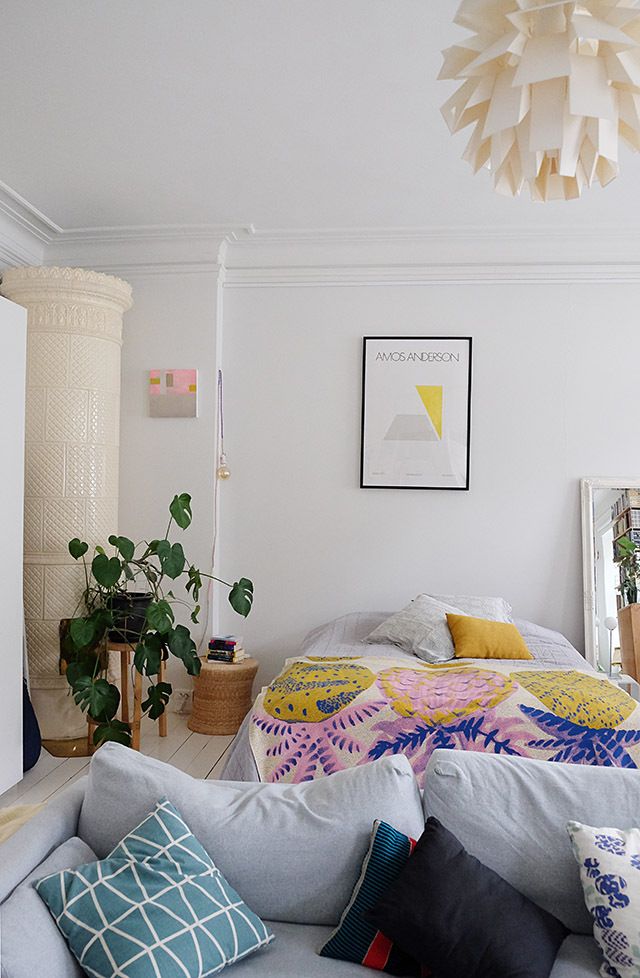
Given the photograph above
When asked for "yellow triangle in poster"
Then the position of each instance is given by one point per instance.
(432, 399)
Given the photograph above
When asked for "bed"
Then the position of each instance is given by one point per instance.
(343, 702)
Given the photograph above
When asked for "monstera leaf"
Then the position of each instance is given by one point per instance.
(87, 632)
(183, 647)
(157, 699)
(172, 558)
(124, 546)
(77, 548)
(148, 654)
(106, 570)
(180, 509)
(98, 697)
(114, 730)
(160, 616)
(241, 596)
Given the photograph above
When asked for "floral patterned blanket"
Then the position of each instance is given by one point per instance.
(322, 715)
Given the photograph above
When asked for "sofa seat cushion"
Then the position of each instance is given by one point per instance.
(31, 943)
(293, 851)
(512, 814)
(579, 957)
(294, 954)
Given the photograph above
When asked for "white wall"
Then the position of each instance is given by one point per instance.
(554, 398)
(13, 336)
(172, 324)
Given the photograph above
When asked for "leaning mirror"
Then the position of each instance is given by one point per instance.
(611, 565)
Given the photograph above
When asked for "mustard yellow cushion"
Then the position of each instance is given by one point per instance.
(477, 638)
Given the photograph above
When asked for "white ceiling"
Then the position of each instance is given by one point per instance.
(278, 113)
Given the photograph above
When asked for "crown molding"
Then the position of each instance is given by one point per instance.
(141, 250)
(252, 257)
(24, 215)
(418, 256)
(420, 275)
(24, 230)
(16, 251)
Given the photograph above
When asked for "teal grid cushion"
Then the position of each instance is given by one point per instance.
(156, 906)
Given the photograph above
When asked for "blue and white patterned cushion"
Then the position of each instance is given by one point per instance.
(609, 861)
(155, 906)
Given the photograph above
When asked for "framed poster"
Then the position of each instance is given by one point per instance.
(416, 412)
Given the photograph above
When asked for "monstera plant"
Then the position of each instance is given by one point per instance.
(105, 608)
(629, 563)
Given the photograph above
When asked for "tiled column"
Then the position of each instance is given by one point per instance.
(72, 446)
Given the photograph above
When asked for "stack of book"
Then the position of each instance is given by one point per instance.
(226, 648)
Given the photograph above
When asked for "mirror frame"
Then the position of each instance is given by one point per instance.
(587, 488)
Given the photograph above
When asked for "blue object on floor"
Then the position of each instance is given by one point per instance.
(31, 739)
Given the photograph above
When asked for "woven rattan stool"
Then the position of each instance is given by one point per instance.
(222, 696)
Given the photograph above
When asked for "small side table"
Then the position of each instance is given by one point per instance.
(222, 696)
(125, 651)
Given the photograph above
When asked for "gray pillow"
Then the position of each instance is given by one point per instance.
(421, 628)
(292, 851)
(479, 606)
(31, 943)
(511, 813)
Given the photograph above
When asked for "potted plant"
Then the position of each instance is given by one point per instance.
(113, 603)
(629, 614)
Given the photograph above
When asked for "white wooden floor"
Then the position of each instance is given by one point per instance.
(197, 754)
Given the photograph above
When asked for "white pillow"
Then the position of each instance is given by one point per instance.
(609, 861)
(421, 628)
(477, 606)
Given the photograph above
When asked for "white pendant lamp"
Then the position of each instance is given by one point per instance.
(550, 87)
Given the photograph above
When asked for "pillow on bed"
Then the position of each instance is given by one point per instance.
(479, 606)
(476, 638)
(421, 628)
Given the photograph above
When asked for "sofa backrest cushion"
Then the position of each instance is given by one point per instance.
(31, 943)
(38, 837)
(512, 813)
(292, 851)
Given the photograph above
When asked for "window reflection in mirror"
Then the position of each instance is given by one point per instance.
(616, 534)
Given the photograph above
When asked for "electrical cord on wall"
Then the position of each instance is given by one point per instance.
(220, 465)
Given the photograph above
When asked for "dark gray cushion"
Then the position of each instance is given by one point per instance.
(292, 851)
(512, 814)
(30, 941)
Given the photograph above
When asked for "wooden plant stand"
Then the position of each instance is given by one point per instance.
(125, 651)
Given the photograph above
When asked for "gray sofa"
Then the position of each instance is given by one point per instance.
(293, 852)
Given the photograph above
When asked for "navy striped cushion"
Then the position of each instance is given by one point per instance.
(355, 939)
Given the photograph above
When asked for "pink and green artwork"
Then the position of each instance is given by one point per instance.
(173, 393)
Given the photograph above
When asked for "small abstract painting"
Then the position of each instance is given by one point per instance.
(173, 393)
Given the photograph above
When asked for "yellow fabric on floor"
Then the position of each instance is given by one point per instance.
(12, 819)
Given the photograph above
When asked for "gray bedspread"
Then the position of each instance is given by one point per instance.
(345, 637)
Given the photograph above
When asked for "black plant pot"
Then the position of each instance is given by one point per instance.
(129, 611)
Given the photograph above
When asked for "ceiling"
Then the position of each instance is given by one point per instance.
(277, 113)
